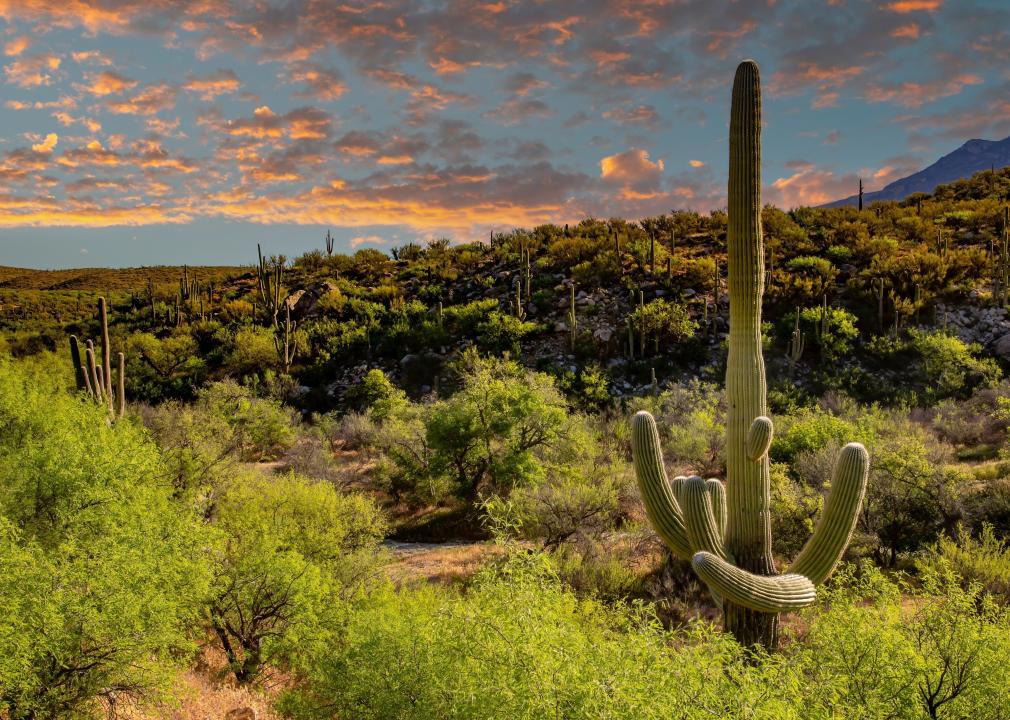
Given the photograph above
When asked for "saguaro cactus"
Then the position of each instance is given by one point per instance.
(94, 375)
(725, 530)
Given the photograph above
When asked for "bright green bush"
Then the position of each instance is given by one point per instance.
(518, 644)
(292, 556)
(101, 573)
(262, 428)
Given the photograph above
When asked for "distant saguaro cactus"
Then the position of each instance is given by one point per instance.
(93, 375)
(725, 530)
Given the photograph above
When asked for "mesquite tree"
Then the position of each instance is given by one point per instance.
(725, 530)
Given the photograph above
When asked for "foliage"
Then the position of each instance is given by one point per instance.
(293, 554)
(100, 571)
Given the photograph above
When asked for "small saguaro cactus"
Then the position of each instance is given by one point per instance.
(517, 305)
(795, 350)
(725, 529)
(93, 375)
(572, 319)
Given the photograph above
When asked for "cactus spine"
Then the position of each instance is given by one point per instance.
(736, 563)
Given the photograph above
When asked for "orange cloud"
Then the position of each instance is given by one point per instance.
(33, 71)
(47, 145)
(149, 101)
(17, 46)
(696, 163)
(630, 166)
(810, 186)
(910, 31)
(109, 83)
(907, 6)
(913, 94)
(218, 83)
(321, 82)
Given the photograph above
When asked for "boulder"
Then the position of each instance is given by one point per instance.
(1001, 348)
(303, 303)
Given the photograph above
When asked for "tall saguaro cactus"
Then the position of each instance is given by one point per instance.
(725, 530)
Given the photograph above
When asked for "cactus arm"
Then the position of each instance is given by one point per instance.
(717, 491)
(103, 320)
(93, 370)
(699, 518)
(759, 438)
(677, 486)
(121, 385)
(87, 381)
(763, 593)
(660, 505)
(75, 357)
(838, 519)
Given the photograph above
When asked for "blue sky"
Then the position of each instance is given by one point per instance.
(186, 131)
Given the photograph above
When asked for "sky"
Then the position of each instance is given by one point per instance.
(140, 132)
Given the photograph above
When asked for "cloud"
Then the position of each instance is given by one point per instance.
(360, 240)
(17, 46)
(916, 94)
(321, 82)
(32, 71)
(47, 145)
(209, 87)
(907, 6)
(108, 83)
(519, 110)
(637, 175)
(808, 186)
(645, 115)
(151, 100)
(696, 163)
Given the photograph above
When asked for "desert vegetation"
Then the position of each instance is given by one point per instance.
(232, 473)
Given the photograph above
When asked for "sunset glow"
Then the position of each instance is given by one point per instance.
(129, 124)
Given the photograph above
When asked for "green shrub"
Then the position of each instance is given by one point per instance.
(983, 561)
(292, 556)
(101, 574)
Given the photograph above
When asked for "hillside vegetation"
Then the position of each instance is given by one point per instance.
(217, 477)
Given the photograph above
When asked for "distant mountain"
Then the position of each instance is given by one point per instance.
(970, 158)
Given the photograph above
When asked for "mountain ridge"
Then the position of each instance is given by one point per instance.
(973, 156)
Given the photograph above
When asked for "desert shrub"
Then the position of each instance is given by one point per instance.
(813, 429)
(504, 427)
(520, 645)
(694, 416)
(581, 500)
(101, 574)
(588, 389)
(794, 508)
(664, 322)
(503, 333)
(262, 428)
(912, 495)
(977, 420)
(870, 654)
(831, 330)
(982, 560)
(463, 320)
(158, 369)
(951, 367)
(293, 555)
(807, 278)
(252, 351)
